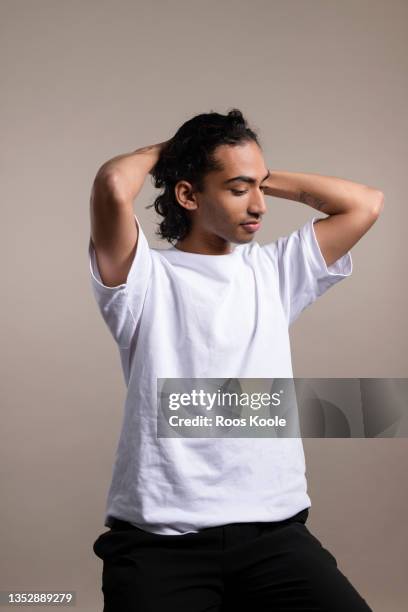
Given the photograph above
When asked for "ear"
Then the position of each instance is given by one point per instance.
(184, 195)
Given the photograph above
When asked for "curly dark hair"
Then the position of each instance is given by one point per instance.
(189, 156)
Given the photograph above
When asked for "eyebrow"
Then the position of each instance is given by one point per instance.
(245, 179)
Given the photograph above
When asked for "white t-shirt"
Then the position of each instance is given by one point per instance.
(188, 315)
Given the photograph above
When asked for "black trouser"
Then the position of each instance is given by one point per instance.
(274, 567)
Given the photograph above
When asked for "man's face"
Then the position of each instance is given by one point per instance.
(218, 214)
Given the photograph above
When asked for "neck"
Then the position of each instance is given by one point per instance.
(204, 245)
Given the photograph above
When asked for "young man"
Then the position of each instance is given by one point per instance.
(213, 523)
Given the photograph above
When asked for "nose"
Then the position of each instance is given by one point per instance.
(257, 206)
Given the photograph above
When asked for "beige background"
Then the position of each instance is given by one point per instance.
(325, 83)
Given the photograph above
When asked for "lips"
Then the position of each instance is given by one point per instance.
(253, 226)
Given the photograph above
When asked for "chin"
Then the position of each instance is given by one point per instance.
(244, 240)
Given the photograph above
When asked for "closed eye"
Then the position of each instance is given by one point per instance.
(239, 193)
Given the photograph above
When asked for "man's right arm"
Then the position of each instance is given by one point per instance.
(114, 233)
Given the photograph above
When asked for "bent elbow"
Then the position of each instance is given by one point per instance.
(378, 203)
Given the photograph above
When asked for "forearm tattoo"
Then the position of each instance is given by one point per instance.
(308, 198)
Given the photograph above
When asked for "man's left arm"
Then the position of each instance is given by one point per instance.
(352, 207)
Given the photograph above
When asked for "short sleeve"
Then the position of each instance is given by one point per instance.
(302, 270)
(121, 306)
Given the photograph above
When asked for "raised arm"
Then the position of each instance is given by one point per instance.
(352, 207)
(114, 232)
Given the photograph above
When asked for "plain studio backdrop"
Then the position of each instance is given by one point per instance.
(325, 83)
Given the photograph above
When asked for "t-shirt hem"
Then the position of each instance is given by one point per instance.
(342, 267)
